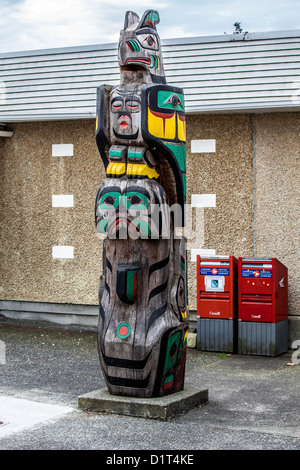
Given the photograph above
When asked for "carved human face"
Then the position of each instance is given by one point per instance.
(134, 208)
(125, 114)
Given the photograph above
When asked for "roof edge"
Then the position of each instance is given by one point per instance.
(246, 36)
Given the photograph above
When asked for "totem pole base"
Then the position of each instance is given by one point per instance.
(160, 408)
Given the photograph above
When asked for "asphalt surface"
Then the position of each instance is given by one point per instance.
(253, 400)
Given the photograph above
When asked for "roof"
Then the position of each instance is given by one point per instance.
(247, 72)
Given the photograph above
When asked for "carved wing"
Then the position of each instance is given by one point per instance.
(164, 131)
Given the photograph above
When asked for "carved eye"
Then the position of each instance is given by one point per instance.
(135, 200)
(109, 200)
(117, 105)
(174, 101)
(133, 105)
(150, 41)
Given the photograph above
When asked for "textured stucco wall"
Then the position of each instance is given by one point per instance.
(228, 173)
(30, 226)
(277, 159)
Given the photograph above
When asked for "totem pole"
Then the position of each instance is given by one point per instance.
(140, 133)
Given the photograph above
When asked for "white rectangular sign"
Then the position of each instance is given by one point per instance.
(62, 150)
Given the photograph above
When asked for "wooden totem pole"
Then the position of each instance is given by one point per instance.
(140, 133)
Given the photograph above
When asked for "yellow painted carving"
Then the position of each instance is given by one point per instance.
(116, 169)
(162, 128)
(141, 170)
(181, 129)
(155, 125)
(170, 128)
(184, 314)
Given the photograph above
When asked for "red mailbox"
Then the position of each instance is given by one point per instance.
(263, 306)
(216, 303)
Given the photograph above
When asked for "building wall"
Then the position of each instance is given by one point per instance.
(277, 218)
(252, 174)
(31, 226)
(227, 173)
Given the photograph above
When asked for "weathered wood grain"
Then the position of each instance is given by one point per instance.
(143, 315)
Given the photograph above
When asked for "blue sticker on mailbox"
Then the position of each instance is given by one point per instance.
(257, 273)
(215, 271)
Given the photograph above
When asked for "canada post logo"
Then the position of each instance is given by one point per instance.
(215, 271)
(262, 273)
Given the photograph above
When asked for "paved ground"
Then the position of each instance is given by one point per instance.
(253, 400)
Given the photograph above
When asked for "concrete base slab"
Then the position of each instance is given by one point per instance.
(154, 408)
